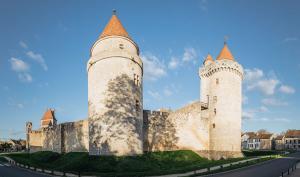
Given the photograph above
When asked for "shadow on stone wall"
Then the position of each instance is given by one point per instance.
(120, 125)
(160, 132)
(73, 137)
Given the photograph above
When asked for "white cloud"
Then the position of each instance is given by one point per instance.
(38, 58)
(174, 63)
(25, 77)
(245, 99)
(266, 86)
(273, 102)
(23, 45)
(253, 74)
(282, 120)
(20, 105)
(203, 5)
(247, 115)
(167, 92)
(154, 94)
(289, 39)
(189, 54)
(286, 89)
(21, 68)
(256, 80)
(263, 109)
(153, 67)
(19, 65)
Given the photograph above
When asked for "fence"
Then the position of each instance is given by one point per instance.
(290, 169)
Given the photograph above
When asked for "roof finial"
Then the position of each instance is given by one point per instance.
(225, 39)
(114, 12)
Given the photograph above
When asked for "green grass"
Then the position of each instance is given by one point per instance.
(154, 163)
(2, 159)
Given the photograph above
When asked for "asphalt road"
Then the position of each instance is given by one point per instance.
(268, 169)
(9, 171)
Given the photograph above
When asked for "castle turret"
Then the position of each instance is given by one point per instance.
(115, 73)
(224, 104)
(204, 90)
(28, 131)
(48, 120)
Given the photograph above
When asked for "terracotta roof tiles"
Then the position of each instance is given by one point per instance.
(225, 53)
(114, 28)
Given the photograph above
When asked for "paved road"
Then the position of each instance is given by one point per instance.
(268, 169)
(9, 171)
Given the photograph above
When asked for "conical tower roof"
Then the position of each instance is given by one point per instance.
(225, 53)
(114, 28)
(209, 57)
(48, 115)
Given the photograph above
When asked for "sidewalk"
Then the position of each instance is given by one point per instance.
(297, 172)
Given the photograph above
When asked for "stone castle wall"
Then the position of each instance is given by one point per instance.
(66, 137)
(35, 142)
(75, 136)
(181, 129)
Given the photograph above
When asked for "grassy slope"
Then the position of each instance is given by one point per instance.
(2, 159)
(147, 164)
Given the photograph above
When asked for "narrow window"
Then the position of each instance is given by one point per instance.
(214, 125)
(215, 111)
(138, 80)
(137, 105)
(134, 78)
(217, 81)
(215, 99)
(121, 46)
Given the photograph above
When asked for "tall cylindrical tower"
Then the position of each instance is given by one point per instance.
(115, 73)
(225, 105)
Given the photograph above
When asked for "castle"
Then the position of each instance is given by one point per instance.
(117, 123)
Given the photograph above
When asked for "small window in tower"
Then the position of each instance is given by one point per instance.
(121, 46)
(214, 125)
(137, 105)
(217, 81)
(215, 99)
(134, 78)
(215, 111)
(138, 80)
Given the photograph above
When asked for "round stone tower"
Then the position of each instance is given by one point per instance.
(224, 105)
(115, 73)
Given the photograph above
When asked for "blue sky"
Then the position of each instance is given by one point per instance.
(44, 48)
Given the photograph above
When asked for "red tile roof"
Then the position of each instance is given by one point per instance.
(48, 115)
(225, 53)
(292, 134)
(114, 28)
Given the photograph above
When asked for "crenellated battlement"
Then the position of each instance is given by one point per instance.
(222, 65)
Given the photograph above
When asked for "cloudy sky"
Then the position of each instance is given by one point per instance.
(44, 48)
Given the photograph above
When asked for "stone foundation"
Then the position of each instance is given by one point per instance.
(217, 155)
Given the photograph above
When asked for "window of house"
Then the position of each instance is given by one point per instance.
(217, 81)
(214, 125)
(121, 46)
(298, 141)
(290, 141)
(286, 141)
(295, 141)
(215, 111)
